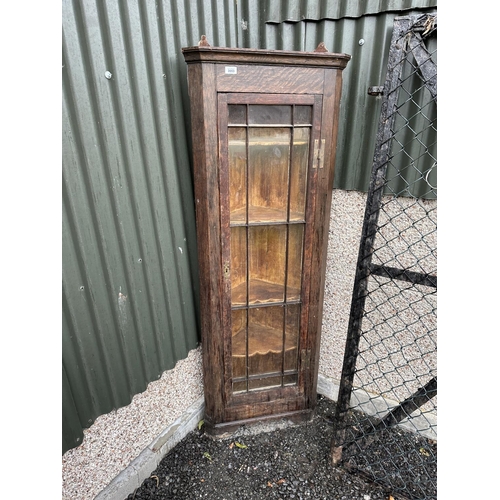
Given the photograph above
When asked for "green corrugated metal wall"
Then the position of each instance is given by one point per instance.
(130, 284)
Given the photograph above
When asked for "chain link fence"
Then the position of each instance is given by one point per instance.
(386, 414)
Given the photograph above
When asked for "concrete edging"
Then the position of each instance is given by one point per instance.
(373, 404)
(139, 469)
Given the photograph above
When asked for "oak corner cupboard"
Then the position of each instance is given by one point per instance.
(264, 127)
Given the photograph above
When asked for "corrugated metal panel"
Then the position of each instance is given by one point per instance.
(298, 10)
(130, 285)
(359, 111)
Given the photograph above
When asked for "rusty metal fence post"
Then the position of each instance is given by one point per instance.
(389, 376)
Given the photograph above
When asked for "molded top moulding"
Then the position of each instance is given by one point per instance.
(318, 58)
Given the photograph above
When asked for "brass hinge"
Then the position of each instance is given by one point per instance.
(306, 359)
(319, 153)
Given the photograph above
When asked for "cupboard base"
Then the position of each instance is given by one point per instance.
(225, 429)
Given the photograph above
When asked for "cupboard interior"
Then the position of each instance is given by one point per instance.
(265, 347)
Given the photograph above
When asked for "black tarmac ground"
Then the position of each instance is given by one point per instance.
(289, 462)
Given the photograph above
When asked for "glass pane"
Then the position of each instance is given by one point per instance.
(240, 386)
(302, 115)
(298, 174)
(290, 380)
(237, 114)
(265, 340)
(264, 383)
(239, 342)
(238, 266)
(294, 268)
(269, 156)
(292, 330)
(267, 260)
(260, 114)
(237, 152)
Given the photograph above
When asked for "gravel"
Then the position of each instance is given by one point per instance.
(117, 438)
(281, 462)
(346, 223)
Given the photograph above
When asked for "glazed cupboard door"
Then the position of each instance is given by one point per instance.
(269, 155)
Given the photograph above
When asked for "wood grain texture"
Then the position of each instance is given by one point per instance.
(271, 79)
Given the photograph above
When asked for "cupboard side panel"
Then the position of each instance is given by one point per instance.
(308, 282)
(329, 129)
(201, 80)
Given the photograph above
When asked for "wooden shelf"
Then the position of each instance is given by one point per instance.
(265, 354)
(263, 215)
(264, 292)
(272, 142)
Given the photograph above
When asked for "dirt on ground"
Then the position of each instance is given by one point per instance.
(285, 461)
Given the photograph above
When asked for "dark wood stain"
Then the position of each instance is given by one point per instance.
(263, 79)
